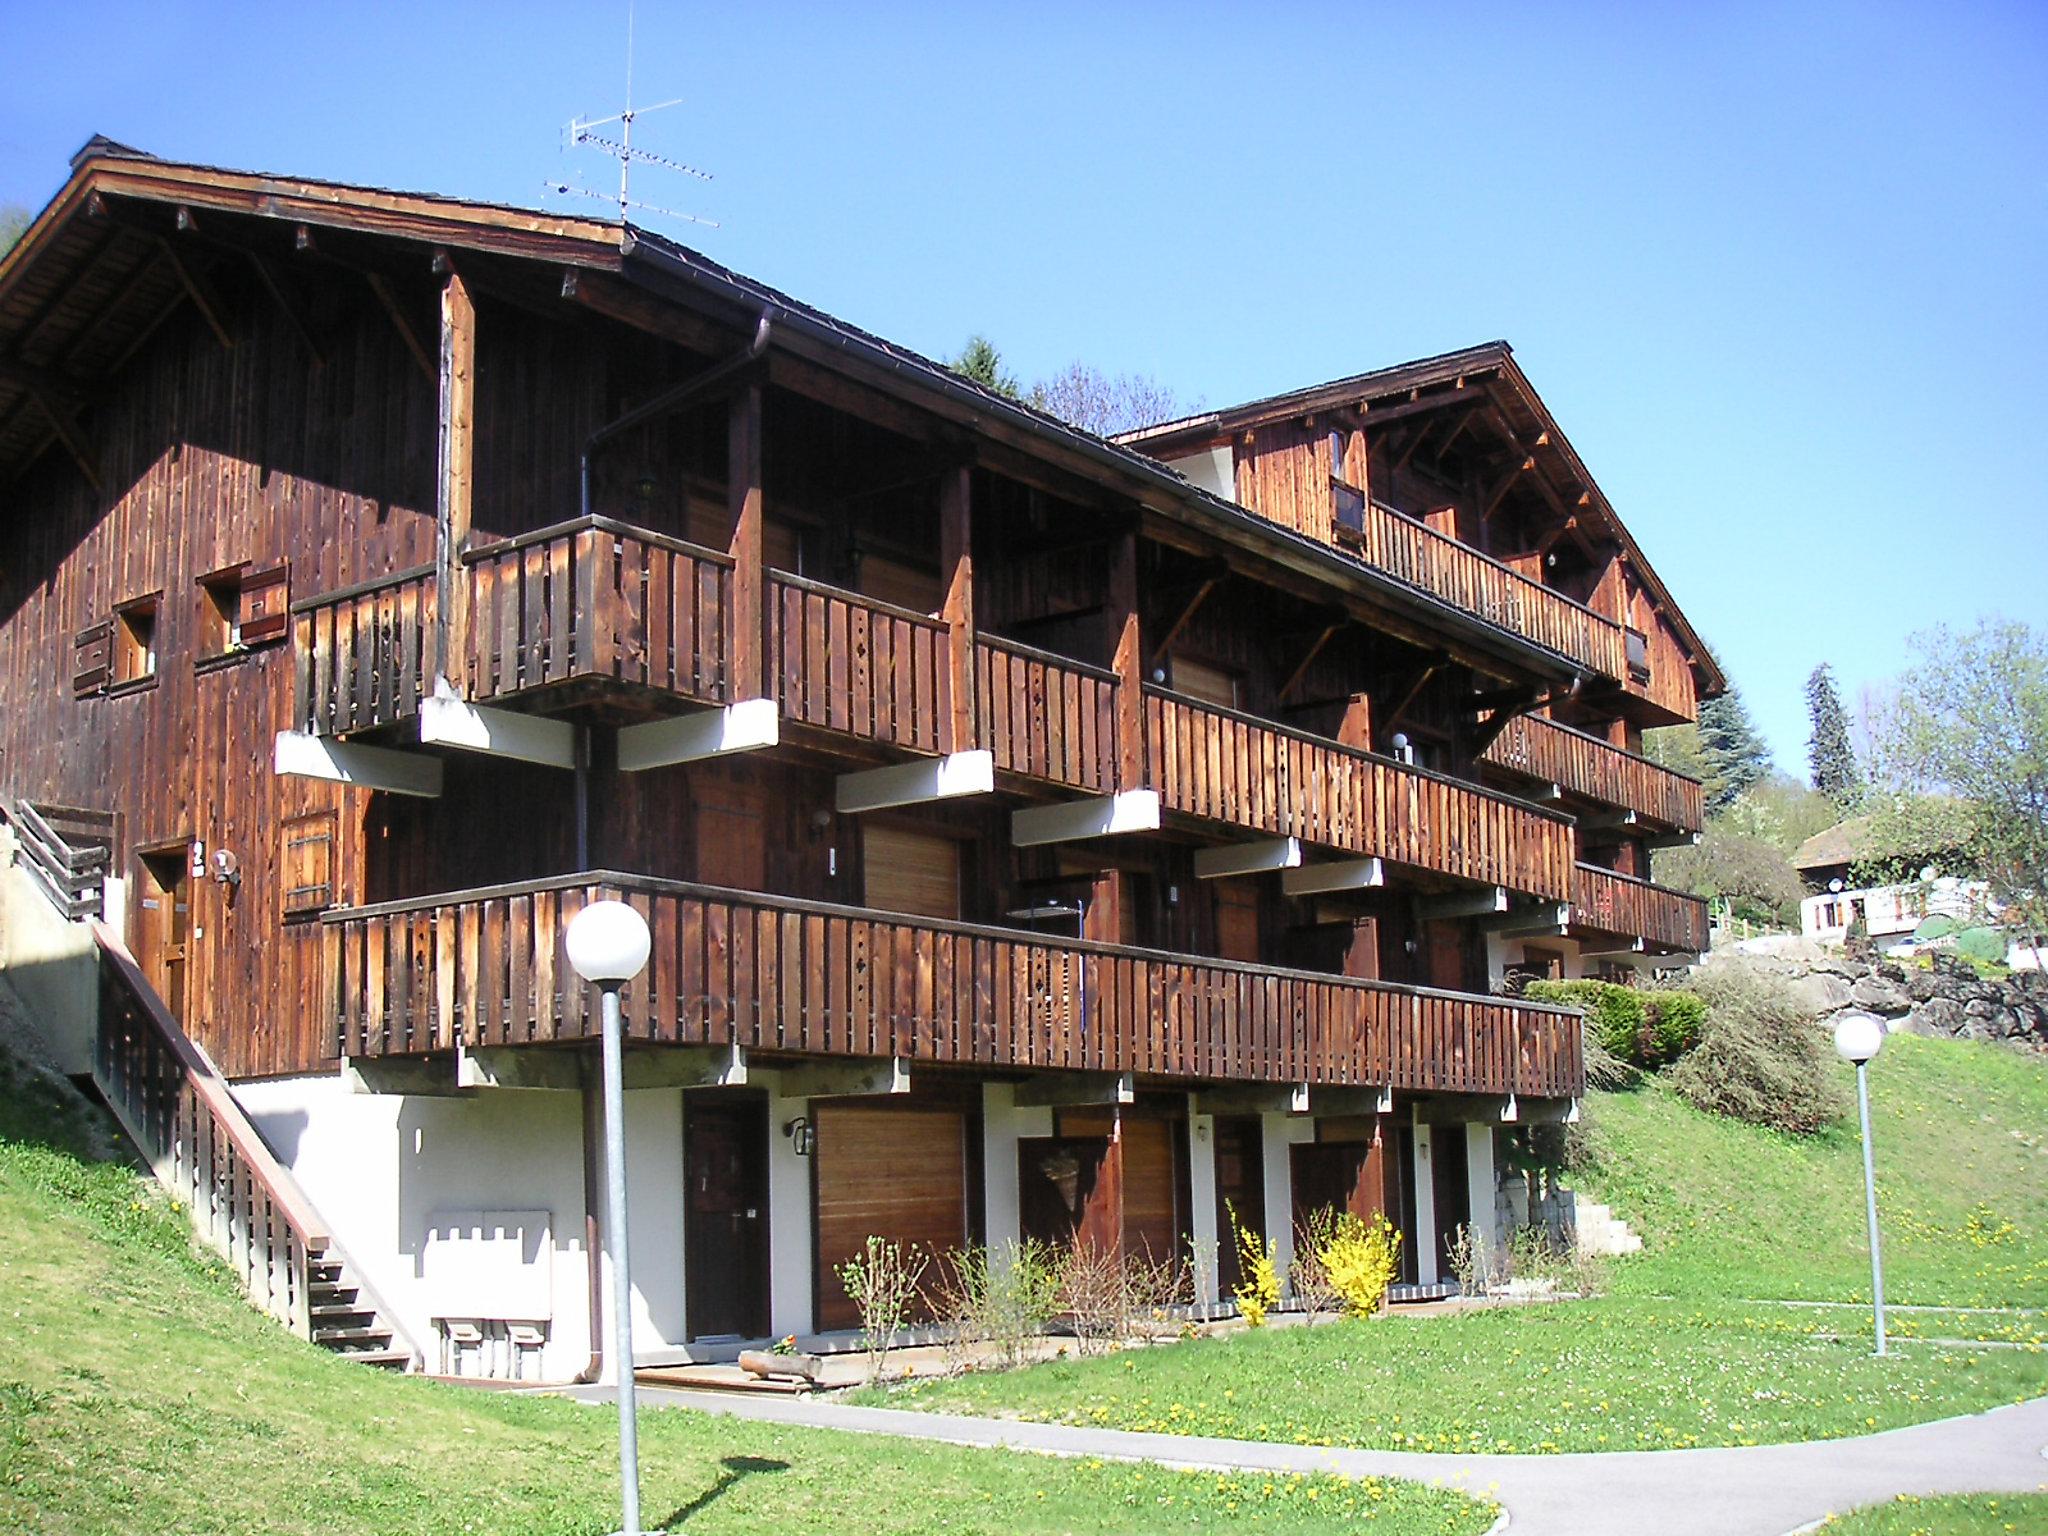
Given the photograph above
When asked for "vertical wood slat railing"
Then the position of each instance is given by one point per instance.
(363, 656)
(1046, 716)
(1410, 549)
(1223, 766)
(595, 598)
(485, 967)
(854, 664)
(1611, 902)
(179, 1112)
(1586, 765)
(66, 850)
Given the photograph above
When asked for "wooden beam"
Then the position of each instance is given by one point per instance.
(917, 783)
(741, 727)
(448, 721)
(1193, 605)
(455, 480)
(70, 435)
(200, 292)
(321, 757)
(1491, 900)
(381, 287)
(956, 568)
(1247, 858)
(1315, 648)
(1340, 875)
(855, 1077)
(1121, 612)
(1392, 717)
(746, 667)
(1254, 1099)
(1130, 810)
(1074, 1088)
(1503, 486)
(290, 304)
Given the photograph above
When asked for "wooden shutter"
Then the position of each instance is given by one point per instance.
(1237, 920)
(92, 662)
(913, 872)
(266, 596)
(306, 862)
(1199, 680)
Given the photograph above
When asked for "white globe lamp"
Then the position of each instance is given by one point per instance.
(608, 943)
(1858, 1039)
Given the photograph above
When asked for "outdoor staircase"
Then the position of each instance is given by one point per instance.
(179, 1112)
(1599, 1230)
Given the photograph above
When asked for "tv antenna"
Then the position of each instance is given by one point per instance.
(583, 133)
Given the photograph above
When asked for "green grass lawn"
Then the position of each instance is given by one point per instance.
(1727, 1210)
(137, 1393)
(1976, 1514)
(1615, 1374)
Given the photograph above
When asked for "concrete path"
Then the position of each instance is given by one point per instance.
(1761, 1491)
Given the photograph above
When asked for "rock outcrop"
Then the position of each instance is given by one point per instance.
(1948, 998)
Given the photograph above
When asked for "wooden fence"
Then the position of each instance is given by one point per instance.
(1585, 765)
(1224, 766)
(486, 967)
(1045, 716)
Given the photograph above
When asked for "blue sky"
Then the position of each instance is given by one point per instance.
(1779, 270)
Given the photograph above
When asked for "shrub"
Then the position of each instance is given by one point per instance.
(1359, 1258)
(1677, 1019)
(1110, 1295)
(1627, 1027)
(1258, 1289)
(1308, 1272)
(1760, 1059)
(1004, 1301)
(882, 1279)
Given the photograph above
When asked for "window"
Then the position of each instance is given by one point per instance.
(221, 612)
(241, 609)
(135, 642)
(307, 865)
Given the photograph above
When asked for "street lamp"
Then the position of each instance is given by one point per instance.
(608, 943)
(1858, 1038)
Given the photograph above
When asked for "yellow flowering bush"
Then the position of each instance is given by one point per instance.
(1360, 1258)
(1258, 1291)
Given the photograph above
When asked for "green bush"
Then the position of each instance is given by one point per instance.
(1646, 1029)
(1760, 1058)
(1677, 1020)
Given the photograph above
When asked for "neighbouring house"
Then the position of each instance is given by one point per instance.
(1838, 901)
(1042, 836)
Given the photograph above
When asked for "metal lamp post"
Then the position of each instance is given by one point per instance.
(1858, 1039)
(608, 944)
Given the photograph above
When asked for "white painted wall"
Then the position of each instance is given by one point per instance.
(377, 1167)
(1279, 1133)
(1202, 1195)
(1003, 1125)
(50, 963)
(791, 1294)
(1213, 469)
(1425, 1205)
(1479, 1183)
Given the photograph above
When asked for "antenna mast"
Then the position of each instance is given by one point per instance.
(581, 133)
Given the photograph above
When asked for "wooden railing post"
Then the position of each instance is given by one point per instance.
(457, 454)
(956, 567)
(746, 652)
(1128, 660)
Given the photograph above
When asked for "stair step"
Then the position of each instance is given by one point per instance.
(331, 1314)
(335, 1338)
(389, 1359)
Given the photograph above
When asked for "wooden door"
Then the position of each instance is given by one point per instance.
(1154, 1224)
(1061, 1185)
(725, 1221)
(1237, 919)
(731, 832)
(1453, 1192)
(163, 923)
(1329, 1176)
(886, 1171)
(1240, 1189)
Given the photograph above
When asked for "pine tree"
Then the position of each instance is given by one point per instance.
(980, 361)
(1732, 754)
(1832, 759)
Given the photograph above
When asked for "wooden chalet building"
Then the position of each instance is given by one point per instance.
(1040, 835)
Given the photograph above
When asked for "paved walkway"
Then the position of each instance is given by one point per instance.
(1760, 1491)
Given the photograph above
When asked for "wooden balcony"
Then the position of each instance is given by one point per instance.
(1604, 902)
(857, 666)
(1046, 717)
(1223, 766)
(363, 656)
(775, 975)
(1410, 549)
(1586, 766)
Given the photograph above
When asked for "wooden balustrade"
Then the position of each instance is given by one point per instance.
(775, 974)
(65, 849)
(178, 1110)
(1224, 766)
(854, 664)
(1587, 766)
(1045, 716)
(1406, 547)
(1662, 918)
(363, 656)
(598, 599)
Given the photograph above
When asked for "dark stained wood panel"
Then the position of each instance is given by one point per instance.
(898, 1173)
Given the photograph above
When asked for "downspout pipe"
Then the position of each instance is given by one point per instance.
(673, 398)
(593, 1247)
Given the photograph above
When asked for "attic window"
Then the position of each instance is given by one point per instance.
(221, 611)
(135, 636)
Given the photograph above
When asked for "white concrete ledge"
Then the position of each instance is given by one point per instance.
(342, 762)
(1130, 810)
(1072, 1088)
(856, 1077)
(742, 727)
(1248, 858)
(1494, 899)
(927, 779)
(449, 721)
(1344, 875)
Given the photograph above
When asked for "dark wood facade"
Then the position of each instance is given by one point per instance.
(277, 456)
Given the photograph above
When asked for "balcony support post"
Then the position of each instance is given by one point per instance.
(446, 720)
(457, 436)
(1489, 902)
(1121, 610)
(916, 783)
(707, 733)
(1072, 1088)
(343, 762)
(746, 655)
(956, 568)
(1343, 875)
(858, 1077)
(1132, 810)
(1248, 858)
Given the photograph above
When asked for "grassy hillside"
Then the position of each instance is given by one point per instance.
(138, 1393)
(1728, 1210)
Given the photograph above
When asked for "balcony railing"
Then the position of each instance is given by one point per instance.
(1228, 767)
(1607, 902)
(596, 599)
(854, 664)
(773, 974)
(1415, 552)
(1046, 716)
(1589, 767)
(363, 656)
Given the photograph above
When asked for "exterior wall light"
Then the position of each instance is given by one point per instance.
(1858, 1039)
(803, 1137)
(608, 944)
